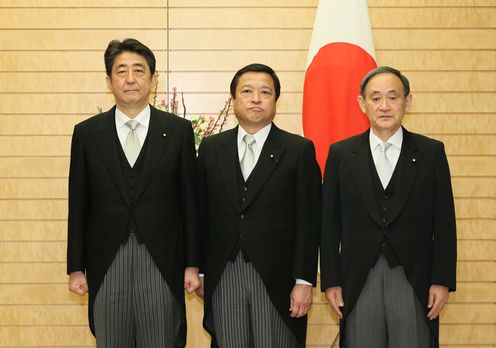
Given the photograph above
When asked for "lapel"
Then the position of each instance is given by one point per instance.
(270, 157)
(360, 169)
(159, 133)
(228, 158)
(105, 137)
(407, 167)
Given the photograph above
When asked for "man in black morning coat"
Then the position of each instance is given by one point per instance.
(260, 222)
(388, 246)
(133, 224)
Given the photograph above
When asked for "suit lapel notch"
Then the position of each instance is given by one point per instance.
(271, 155)
(360, 169)
(105, 137)
(407, 167)
(157, 139)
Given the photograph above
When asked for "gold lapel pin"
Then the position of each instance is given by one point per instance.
(414, 160)
(164, 135)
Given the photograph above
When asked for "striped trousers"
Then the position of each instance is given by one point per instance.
(244, 316)
(387, 313)
(134, 307)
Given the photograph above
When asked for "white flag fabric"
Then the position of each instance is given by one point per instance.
(341, 53)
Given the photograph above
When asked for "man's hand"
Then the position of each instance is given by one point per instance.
(334, 296)
(191, 279)
(200, 291)
(438, 296)
(78, 283)
(301, 300)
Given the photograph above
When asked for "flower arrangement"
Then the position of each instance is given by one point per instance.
(203, 126)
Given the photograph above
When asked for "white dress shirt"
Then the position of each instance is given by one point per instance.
(143, 119)
(393, 152)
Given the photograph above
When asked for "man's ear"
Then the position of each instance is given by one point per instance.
(361, 103)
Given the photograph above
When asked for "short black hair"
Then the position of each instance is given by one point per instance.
(385, 70)
(256, 67)
(116, 47)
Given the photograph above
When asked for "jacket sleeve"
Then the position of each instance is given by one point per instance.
(444, 258)
(78, 206)
(330, 263)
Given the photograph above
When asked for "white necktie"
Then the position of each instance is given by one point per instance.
(383, 165)
(132, 146)
(248, 160)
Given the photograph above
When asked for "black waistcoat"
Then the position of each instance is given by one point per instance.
(243, 187)
(132, 177)
(384, 199)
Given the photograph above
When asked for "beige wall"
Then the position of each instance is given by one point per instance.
(52, 76)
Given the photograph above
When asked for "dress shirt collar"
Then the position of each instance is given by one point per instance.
(395, 140)
(143, 118)
(260, 136)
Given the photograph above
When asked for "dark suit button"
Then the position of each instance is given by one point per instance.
(242, 216)
(385, 231)
(384, 209)
(385, 197)
(383, 245)
(245, 188)
(244, 199)
(384, 220)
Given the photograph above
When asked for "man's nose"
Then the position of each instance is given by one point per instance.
(256, 97)
(130, 78)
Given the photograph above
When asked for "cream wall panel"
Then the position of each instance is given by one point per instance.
(87, 39)
(231, 60)
(478, 250)
(434, 17)
(228, 60)
(81, 18)
(39, 188)
(241, 17)
(476, 271)
(450, 123)
(286, 17)
(469, 313)
(408, 59)
(474, 187)
(304, 3)
(468, 334)
(476, 229)
(321, 334)
(33, 210)
(33, 252)
(64, 315)
(82, 3)
(474, 292)
(52, 336)
(468, 144)
(39, 230)
(69, 61)
(482, 208)
(34, 124)
(34, 167)
(38, 294)
(35, 145)
(32, 273)
(472, 165)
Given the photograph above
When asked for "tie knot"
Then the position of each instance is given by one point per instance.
(249, 139)
(384, 146)
(132, 124)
